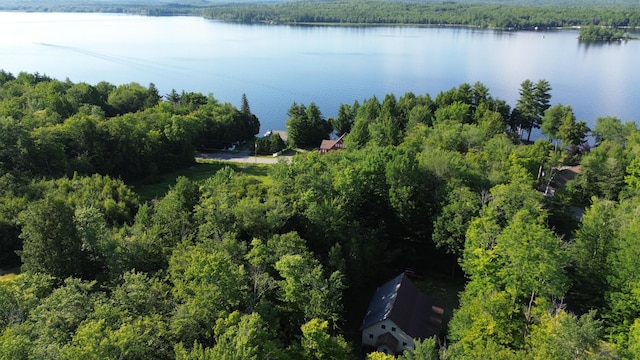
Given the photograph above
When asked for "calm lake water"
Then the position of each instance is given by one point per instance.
(277, 65)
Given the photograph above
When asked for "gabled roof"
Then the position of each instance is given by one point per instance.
(329, 144)
(399, 300)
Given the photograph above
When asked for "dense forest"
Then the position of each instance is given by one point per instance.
(478, 13)
(496, 16)
(282, 267)
(61, 128)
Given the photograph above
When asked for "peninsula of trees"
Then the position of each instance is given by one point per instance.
(595, 33)
(281, 266)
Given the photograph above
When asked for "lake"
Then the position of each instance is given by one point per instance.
(277, 65)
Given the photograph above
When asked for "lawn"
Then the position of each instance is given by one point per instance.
(200, 171)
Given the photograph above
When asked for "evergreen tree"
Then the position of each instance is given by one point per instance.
(244, 106)
(306, 127)
(530, 108)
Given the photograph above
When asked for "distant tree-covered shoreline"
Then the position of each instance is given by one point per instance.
(484, 14)
(494, 16)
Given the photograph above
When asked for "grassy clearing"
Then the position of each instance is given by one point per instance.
(200, 171)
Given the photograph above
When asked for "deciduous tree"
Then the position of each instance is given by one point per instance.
(307, 291)
(318, 344)
(52, 244)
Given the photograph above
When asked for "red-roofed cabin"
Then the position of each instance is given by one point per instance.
(332, 145)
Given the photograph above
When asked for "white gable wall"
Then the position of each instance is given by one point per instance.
(370, 334)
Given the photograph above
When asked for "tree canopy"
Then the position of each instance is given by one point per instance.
(533, 263)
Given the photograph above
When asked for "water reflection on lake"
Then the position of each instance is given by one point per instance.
(277, 65)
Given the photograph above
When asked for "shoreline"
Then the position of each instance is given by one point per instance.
(193, 11)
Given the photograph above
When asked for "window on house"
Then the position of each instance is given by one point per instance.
(393, 328)
(404, 343)
(370, 336)
(384, 326)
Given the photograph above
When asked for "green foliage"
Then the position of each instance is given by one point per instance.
(634, 339)
(612, 128)
(237, 337)
(130, 98)
(423, 350)
(306, 127)
(623, 280)
(141, 338)
(559, 123)
(534, 261)
(592, 245)
(52, 323)
(227, 265)
(600, 33)
(269, 145)
(13, 139)
(602, 173)
(244, 337)
(14, 344)
(388, 128)
(633, 178)
(52, 244)
(237, 204)
(206, 283)
(306, 289)
(451, 225)
(561, 335)
(360, 133)
(346, 117)
(515, 265)
(379, 356)
(318, 344)
(172, 221)
(21, 296)
(485, 325)
(490, 122)
(553, 118)
(52, 128)
(485, 14)
(531, 106)
(112, 197)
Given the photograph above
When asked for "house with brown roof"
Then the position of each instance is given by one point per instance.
(332, 145)
(399, 313)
